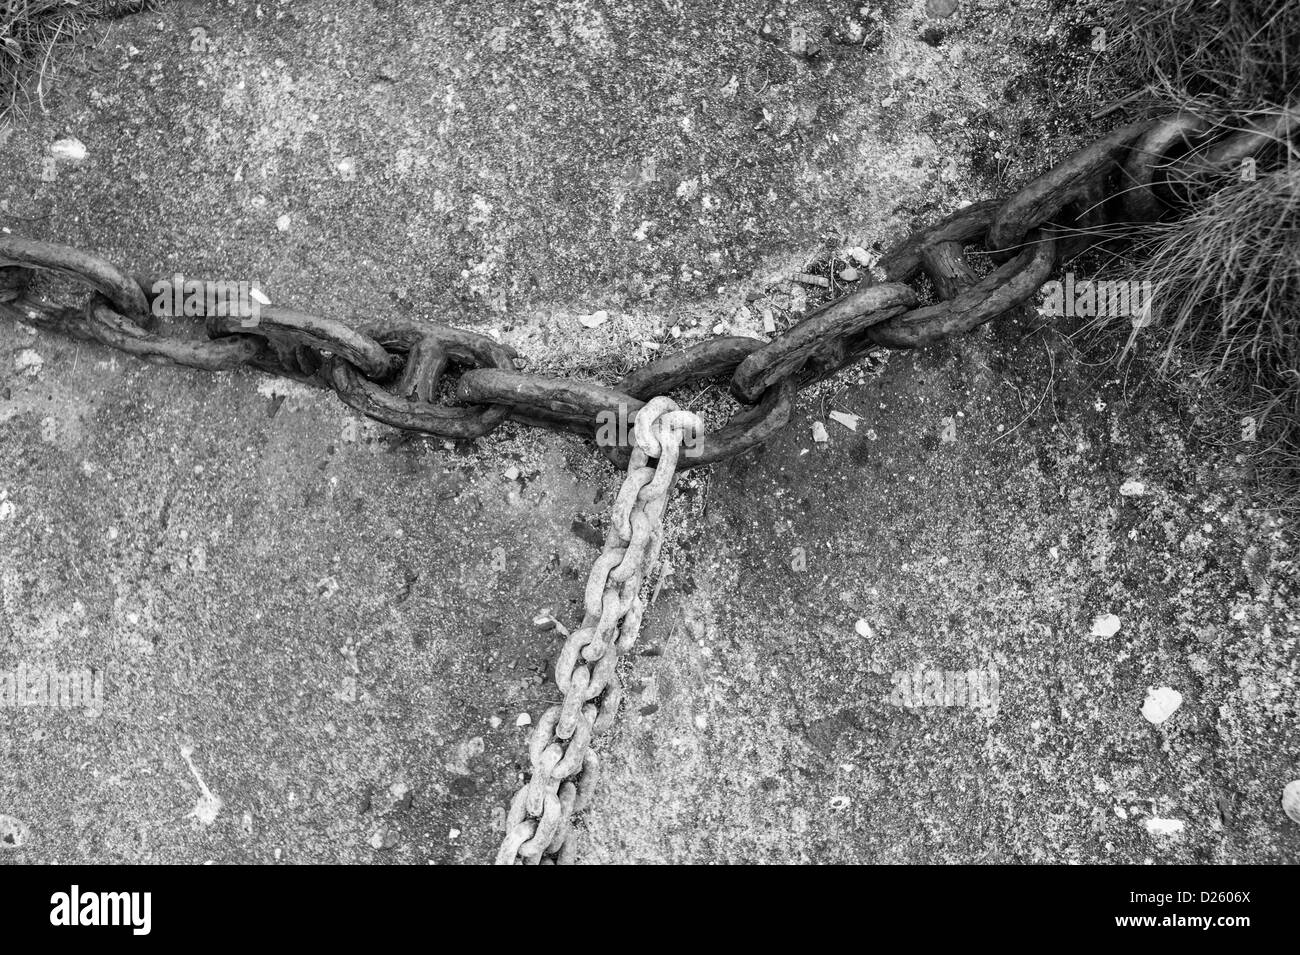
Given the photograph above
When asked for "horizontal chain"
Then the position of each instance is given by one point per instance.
(393, 371)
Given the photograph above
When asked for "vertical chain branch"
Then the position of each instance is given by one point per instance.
(539, 827)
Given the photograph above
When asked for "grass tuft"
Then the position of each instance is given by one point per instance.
(1226, 273)
(1215, 54)
(1226, 303)
(30, 30)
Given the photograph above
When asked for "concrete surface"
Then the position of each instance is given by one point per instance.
(308, 609)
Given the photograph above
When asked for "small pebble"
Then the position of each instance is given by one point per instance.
(13, 832)
(852, 32)
(523, 719)
(819, 433)
(1105, 625)
(850, 274)
(862, 256)
(849, 421)
(68, 150)
(28, 361)
(594, 320)
(1165, 827)
(282, 223)
(1291, 800)
(864, 629)
(1132, 488)
(1160, 704)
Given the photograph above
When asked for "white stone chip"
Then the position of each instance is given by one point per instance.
(1291, 800)
(1160, 704)
(1166, 828)
(70, 149)
(849, 421)
(862, 256)
(1104, 625)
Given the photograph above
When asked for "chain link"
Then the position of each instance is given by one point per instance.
(564, 770)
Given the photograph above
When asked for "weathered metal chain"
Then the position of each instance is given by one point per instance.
(392, 371)
(564, 769)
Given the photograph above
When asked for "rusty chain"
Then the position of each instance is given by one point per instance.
(392, 371)
(564, 769)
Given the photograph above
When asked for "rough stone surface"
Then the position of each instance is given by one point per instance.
(334, 621)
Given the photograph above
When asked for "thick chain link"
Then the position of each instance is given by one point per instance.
(391, 371)
(539, 826)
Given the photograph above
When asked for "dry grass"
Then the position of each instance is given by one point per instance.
(1226, 302)
(1215, 54)
(1226, 273)
(31, 31)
